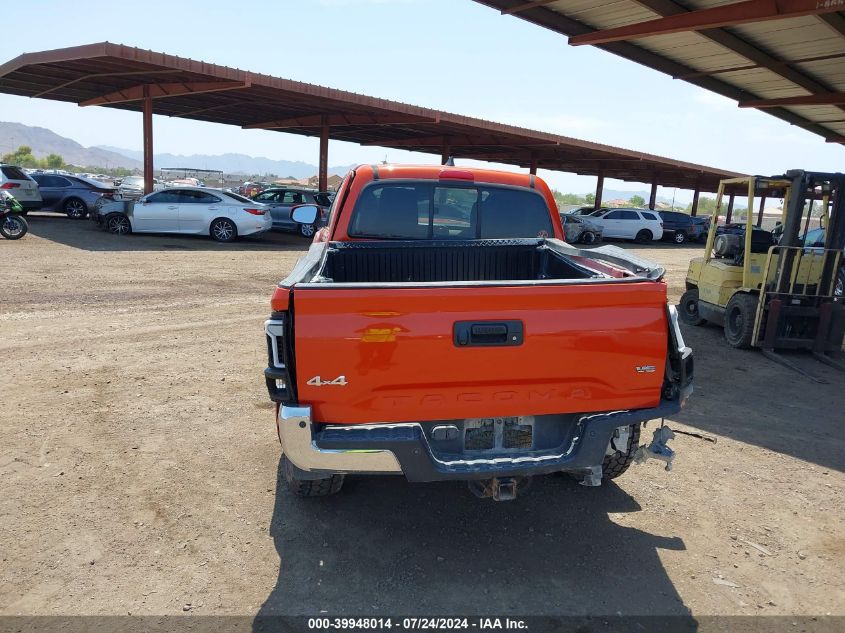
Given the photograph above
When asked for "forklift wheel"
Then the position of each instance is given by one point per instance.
(688, 308)
(739, 320)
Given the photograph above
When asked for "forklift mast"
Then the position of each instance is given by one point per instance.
(797, 308)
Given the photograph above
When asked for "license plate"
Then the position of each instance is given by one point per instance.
(508, 433)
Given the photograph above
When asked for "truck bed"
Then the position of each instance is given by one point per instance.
(447, 261)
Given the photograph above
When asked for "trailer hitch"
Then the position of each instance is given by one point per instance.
(658, 449)
(498, 488)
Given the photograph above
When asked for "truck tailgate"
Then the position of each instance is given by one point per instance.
(585, 347)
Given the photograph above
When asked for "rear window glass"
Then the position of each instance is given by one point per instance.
(424, 210)
(648, 216)
(236, 197)
(14, 173)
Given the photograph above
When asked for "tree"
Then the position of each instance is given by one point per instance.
(637, 201)
(566, 198)
(21, 156)
(590, 198)
(54, 161)
(706, 206)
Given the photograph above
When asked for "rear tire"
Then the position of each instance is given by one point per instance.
(322, 487)
(739, 320)
(75, 209)
(688, 308)
(680, 237)
(644, 236)
(307, 230)
(588, 237)
(13, 227)
(223, 230)
(118, 224)
(839, 286)
(615, 465)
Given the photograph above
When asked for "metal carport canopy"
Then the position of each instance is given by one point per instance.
(117, 76)
(786, 57)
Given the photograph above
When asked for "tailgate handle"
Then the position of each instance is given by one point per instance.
(487, 333)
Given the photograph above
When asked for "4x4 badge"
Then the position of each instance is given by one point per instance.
(316, 381)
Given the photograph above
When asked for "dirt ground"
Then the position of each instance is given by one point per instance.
(139, 469)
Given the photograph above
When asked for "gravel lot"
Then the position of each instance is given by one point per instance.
(140, 468)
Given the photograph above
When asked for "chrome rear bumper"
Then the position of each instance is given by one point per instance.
(299, 447)
(404, 448)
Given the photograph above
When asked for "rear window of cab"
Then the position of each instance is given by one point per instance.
(426, 210)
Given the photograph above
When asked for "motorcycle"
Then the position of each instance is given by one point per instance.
(13, 225)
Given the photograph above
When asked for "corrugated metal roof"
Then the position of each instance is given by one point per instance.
(779, 49)
(112, 75)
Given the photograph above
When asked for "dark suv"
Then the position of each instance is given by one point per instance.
(680, 228)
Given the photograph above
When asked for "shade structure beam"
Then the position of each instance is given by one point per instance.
(336, 120)
(825, 98)
(159, 91)
(711, 18)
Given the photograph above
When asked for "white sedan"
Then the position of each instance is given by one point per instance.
(222, 215)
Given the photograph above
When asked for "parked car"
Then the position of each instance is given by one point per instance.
(815, 239)
(579, 228)
(325, 198)
(485, 351)
(192, 210)
(587, 210)
(282, 199)
(680, 227)
(18, 183)
(131, 187)
(252, 189)
(630, 224)
(73, 195)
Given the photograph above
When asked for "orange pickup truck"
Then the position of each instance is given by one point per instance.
(441, 329)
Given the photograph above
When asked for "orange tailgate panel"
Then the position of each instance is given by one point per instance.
(582, 346)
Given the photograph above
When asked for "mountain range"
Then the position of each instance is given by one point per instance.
(44, 142)
(230, 163)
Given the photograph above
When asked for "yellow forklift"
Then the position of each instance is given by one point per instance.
(775, 292)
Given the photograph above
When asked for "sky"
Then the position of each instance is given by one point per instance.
(453, 55)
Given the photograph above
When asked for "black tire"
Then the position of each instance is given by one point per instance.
(223, 230)
(739, 320)
(688, 308)
(118, 224)
(680, 237)
(614, 465)
(588, 237)
(839, 285)
(75, 208)
(310, 487)
(644, 236)
(13, 227)
(307, 230)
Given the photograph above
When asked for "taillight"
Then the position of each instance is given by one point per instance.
(661, 225)
(256, 211)
(10, 185)
(277, 374)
